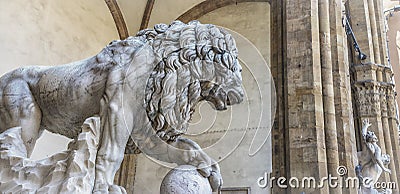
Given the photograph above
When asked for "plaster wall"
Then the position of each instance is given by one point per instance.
(168, 10)
(133, 14)
(164, 11)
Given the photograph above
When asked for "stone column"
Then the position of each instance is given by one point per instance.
(386, 131)
(394, 130)
(347, 149)
(306, 155)
(360, 22)
(327, 91)
(380, 24)
(393, 123)
(278, 47)
(374, 30)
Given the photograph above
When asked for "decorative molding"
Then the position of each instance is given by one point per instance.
(367, 101)
(147, 14)
(118, 18)
(384, 102)
(391, 100)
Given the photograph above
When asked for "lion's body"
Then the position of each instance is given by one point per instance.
(66, 95)
(145, 86)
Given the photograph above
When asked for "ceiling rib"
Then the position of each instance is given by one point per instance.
(118, 18)
(208, 6)
(146, 14)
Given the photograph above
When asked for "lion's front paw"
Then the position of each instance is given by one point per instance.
(187, 152)
(213, 174)
(110, 189)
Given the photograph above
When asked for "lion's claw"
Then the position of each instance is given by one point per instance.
(204, 170)
(215, 180)
(214, 177)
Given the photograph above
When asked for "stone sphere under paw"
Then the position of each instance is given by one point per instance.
(185, 179)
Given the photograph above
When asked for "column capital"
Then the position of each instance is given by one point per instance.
(368, 98)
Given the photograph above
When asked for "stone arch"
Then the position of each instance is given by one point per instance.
(209, 6)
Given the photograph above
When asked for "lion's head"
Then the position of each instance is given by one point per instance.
(194, 62)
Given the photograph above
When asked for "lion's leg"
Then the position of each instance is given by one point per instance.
(115, 134)
(24, 112)
(30, 124)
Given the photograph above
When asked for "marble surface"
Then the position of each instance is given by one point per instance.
(71, 171)
(185, 179)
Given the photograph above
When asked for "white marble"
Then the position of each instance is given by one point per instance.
(144, 87)
(185, 179)
(372, 161)
(71, 171)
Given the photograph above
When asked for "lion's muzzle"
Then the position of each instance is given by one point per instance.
(234, 97)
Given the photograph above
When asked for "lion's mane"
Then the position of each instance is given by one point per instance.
(186, 56)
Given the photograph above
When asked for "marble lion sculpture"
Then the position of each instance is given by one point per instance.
(144, 87)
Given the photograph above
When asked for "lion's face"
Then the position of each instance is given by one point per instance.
(194, 62)
(224, 92)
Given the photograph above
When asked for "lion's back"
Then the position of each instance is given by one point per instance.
(68, 94)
